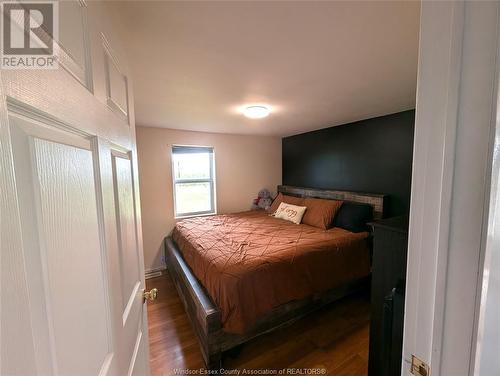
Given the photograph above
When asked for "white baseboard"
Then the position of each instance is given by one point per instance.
(152, 273)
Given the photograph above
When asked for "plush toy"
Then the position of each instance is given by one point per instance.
(263, 200)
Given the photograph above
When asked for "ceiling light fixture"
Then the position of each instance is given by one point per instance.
(256, 112)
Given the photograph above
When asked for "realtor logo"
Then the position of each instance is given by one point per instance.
(29, 30)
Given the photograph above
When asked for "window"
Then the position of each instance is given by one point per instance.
(193, 176)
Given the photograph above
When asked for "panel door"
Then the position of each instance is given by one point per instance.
(72, 287)
(129, 261)
(71, 266)
(61, 270)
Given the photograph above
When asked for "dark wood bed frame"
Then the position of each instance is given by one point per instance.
(205, 316)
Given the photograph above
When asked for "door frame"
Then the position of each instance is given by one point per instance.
(456, 113)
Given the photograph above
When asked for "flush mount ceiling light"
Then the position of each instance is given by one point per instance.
(256, 112)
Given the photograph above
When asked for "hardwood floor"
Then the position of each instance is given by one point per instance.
(334, 338)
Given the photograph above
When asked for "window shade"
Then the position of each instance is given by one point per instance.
(191, 149)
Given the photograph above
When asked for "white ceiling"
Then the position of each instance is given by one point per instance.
(318, 64)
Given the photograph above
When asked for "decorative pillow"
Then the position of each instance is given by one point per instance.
(320, 213)
(292, 213)
(353, 216)
(287, 199)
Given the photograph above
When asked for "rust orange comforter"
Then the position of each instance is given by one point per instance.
(251, 262)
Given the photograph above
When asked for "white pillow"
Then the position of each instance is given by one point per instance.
(289, 212)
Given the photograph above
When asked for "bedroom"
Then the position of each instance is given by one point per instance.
(249, 187)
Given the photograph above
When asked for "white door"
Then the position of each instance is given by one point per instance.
(71, 267)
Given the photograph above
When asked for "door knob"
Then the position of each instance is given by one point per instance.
(150, 295)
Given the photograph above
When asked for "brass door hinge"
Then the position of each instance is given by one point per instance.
(418, 367)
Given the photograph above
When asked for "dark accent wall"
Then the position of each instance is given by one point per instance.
(373, 155)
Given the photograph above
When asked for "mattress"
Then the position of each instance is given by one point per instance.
(250, 262)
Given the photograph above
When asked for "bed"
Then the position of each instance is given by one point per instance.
(245, 274)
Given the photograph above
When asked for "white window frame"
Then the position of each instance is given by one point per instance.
(211, 180)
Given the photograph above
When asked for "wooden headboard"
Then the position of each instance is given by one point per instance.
(376, 200)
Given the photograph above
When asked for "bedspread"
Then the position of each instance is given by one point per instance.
(250, 262)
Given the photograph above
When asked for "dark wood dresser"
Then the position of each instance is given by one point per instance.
(390, 246)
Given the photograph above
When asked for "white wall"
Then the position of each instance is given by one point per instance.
(488, 345)
(243, 166)
(451, 173)
(488, 338)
